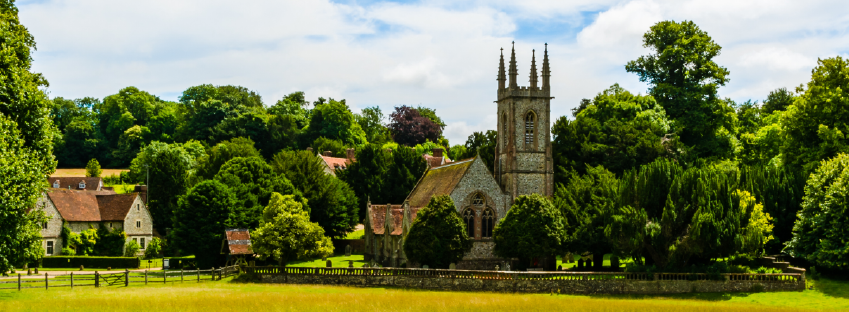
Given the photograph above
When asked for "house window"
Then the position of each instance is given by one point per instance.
(82, 185)
(110, 225)
(138, 224)
(138, 207)
(487, 223)
(50, 248)
(530, 121)
(141, 242)
(44, 226)
(469, 218)
(56, 184)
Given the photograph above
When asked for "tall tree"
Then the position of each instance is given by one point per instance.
(405, 169)
(333, 204)
(334, 120)
(252, 180)
(286, 232)
(168, 166)
(208, 165)
(367, 176)
(778, 100)
(438, 236)
(532, 228)
(409, 127)
(371, 121)
(684, 79)
(480, 143)
(200, 219)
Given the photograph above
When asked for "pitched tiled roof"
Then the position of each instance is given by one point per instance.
(238, 241)
(115, 207)
(91, 184)
(76, 206)
(438, 181)
(378, 216)
(433, 161)
(336, 162)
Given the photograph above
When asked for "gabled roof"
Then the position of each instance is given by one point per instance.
(238, 241)
(378, 217)
(91, 184)
(336, 162)
(115, 207)
(76, 206)
(438, 181)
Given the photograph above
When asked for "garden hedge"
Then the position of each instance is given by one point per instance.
(91, 262)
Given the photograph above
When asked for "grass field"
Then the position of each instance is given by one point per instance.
(80, 172)
(229, 296)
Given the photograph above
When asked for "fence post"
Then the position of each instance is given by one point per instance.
(45, 280)
(181, 275)
(72, 280)
(19, 281)
(198, 271)
(96, 279)
(164, 277)
(126, 277)
(145, 277)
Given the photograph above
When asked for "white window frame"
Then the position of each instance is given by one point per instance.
(82, 185)
(56, 184)
(50, 248)
(138, 224)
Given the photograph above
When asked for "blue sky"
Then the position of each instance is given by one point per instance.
(436, 53)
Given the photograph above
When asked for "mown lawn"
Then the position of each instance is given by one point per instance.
(229, 296)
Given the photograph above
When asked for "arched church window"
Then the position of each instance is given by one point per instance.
(530, 121)
(478, 200)
(469, 218)
(487, 223)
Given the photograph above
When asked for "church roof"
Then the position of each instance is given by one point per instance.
(438, 181)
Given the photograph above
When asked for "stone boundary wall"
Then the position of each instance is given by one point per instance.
(531, 282)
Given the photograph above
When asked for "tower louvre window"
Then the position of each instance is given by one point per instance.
(529, 128)
(504, 129)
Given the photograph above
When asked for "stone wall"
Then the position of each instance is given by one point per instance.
(520, 283)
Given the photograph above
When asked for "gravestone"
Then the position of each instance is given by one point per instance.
(425, 266)
(350, 263)
(508, 267)
(452, 266)
(497, 267)
(81, 267)
(36, 270)
(29, 271)
(348, 250)
(580, 264)
(329, 264)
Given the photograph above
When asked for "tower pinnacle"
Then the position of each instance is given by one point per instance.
(546, 72)
(533, 70)
(501, 75)
(513, 71)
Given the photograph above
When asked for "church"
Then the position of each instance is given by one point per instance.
(482, 196)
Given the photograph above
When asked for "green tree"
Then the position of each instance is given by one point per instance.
(617, 130)
(684, 79)
(92, 169)
(815, 125)
(820, 234)
(780, 190)
(371, 121)
(131, 249)
(293, 105)
(532, 228)
(168, 166)
(23, 101)
(587, 202)
(438, 236)
(110, 242)
(286, 232)
(153, 248)
(200, 219)
(252, 180)
(404, 170)
(333, 204)
(778, 100)
(334, 120)
(23, 181)
(208, 165)
(367, 176)
(480, 143)
(335, 147)
(80, 142)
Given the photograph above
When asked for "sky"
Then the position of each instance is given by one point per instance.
(433, 53)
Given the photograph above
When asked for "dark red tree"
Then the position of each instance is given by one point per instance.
(409, 127)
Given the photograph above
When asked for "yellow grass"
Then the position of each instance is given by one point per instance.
(224, 296)
(80, 172)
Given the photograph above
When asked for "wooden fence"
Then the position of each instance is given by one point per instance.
(116, 279)
(521, 275)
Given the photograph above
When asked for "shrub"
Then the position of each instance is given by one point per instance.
(532, 228)
(91, 262)
(131, 248)
(438, 236)
(153, 249)
(68, 252)
(111, 242)
(92, 169)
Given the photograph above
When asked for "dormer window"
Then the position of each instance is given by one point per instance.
(56, 184)
(82, 184)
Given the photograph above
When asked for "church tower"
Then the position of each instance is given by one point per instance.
(523, 163)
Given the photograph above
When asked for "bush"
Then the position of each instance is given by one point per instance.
(91, 262)
(438, 236)
(68, 252)
(92, 169)
(153, 249)
(131, 248)
(111, 242)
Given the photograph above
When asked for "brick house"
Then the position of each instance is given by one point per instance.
(83, 210)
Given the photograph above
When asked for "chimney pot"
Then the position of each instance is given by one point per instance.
(350, 153)
(328, 153)
(309, 149)
(437, 152)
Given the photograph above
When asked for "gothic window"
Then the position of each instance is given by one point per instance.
(478, 201)
(469, 218)
(530, 121)
(487, 223)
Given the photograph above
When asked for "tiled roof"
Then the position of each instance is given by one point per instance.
(438, 181)
(76, 206)
(336, 162)
(378, 216)
(115, 207)
(238, 241)
(433, 161)
(91, 184)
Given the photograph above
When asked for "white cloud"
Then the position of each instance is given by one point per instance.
(437, 53)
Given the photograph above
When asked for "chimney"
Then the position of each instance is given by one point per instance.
(309, 149)
(437, 152)
(349, 154)
(328, 153)
(142, 190)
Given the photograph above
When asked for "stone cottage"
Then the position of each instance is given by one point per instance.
(83, 210)
(523, 165)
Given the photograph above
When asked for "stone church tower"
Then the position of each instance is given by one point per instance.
(523, 163)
